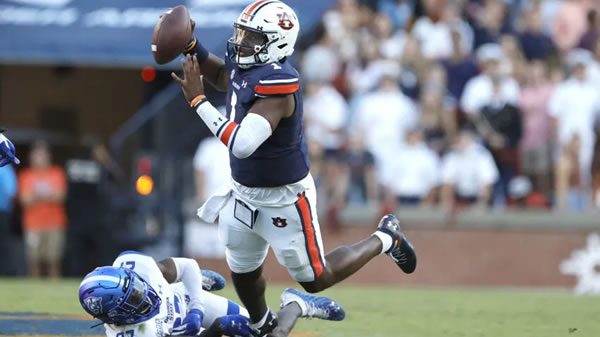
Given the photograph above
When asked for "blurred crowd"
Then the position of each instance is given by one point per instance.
(458, 103)
(47, 210)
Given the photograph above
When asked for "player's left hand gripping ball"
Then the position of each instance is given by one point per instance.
(191, 83)
(191, 324)
(7, 151)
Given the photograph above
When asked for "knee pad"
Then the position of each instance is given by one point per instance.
(243, 263)
(297, 264)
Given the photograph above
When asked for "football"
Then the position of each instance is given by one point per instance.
(172, 33)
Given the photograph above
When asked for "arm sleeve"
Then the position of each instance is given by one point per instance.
(188, 272)
(241, 139)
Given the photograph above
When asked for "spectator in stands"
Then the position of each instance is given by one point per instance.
(515, 64)
(593, 68)
(479, 91)
(91, 176)
(499, 124)
(42, 195)
(468, 174)
(359, 183)
(390, 43)
(537, 134)
(489, 23)
(211, 173)
(320, 62)
(434, 30)
(414, 173)
(438, 118)
(413, 66)
(383, 118)
(574, 106)
(569, 24)
(8, 190)
(460, 68)
(399, 11)
(364, 73)
(591, 35)
(536, 45)
(327, 130)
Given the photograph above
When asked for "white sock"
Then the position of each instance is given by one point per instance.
(262, 322)
(386, 241)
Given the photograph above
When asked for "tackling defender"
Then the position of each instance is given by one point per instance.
(7, 151)
(139, 297)
(272, 197)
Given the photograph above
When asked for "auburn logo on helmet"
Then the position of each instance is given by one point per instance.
(284, 21)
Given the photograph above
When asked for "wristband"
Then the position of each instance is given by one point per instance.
(197, 101)
(196, 47)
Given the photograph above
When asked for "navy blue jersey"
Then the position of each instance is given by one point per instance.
(283, 158)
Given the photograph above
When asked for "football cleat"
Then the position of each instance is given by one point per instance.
(267, 327)
(212, 281)
(313, 306)
(402, 251)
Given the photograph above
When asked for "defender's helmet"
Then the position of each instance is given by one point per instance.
(118, 296)
(265, 32)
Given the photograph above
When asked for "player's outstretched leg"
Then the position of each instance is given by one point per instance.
(347, 260)
(250, 288)
(296, 304)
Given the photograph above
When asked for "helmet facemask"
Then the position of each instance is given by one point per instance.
(249, 46)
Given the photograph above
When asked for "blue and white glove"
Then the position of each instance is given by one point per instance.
(7, 151)
(191, 324)
(235, 325)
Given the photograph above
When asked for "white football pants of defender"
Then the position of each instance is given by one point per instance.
(284, 218)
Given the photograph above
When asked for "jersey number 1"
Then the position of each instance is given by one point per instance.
(233, 104)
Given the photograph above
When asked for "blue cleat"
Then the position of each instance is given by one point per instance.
(313, 306)
(212, 281)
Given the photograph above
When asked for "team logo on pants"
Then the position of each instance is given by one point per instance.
(279, 222)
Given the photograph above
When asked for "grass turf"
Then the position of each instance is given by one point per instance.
(384, 311)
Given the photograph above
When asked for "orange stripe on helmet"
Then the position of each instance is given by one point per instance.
(250, 11)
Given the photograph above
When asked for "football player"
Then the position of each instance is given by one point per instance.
(271, 200)
(7, 151)
(139, 297)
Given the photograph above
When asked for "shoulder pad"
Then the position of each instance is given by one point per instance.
(277, 79)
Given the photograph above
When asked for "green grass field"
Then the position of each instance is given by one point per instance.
(385, 311)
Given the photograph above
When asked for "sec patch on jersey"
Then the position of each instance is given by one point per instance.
(172, 33)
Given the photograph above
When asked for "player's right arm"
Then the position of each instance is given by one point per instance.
(263, 117)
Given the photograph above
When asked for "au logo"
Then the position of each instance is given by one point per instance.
(279, 222)
(284, 21)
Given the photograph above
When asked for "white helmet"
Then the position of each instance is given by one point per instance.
(265, 32)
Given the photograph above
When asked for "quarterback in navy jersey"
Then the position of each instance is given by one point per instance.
(271, 200)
